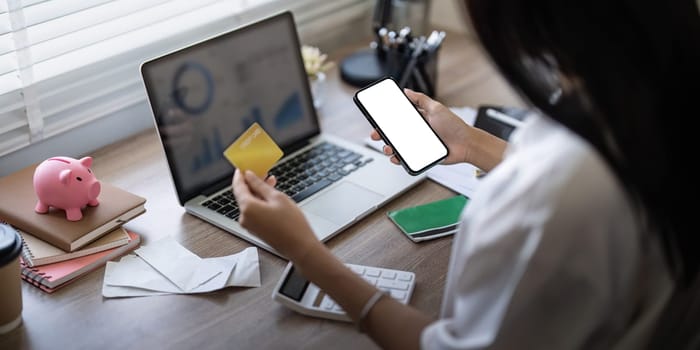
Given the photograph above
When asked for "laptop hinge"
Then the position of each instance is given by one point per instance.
(296, 146)
(216, 187)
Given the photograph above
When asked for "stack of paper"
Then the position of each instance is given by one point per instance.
(166, 267)
(36, 252)
(117, 207)
(51, 277)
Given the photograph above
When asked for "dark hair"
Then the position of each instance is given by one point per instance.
(622, 74)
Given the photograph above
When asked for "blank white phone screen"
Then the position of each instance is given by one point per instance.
(402, 125)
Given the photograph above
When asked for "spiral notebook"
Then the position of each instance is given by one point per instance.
(51, 277)
(37, 252)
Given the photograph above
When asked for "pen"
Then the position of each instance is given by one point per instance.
(412, 63)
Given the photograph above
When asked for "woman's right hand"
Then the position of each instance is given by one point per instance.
(466, 144)
(451, 128)
(272, 216)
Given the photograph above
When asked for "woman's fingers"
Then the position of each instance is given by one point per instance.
(240, 187)
(257, 186)
(388, 150)
(271, 180)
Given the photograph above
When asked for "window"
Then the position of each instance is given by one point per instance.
(68, 63)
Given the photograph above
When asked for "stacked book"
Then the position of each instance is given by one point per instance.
(57, 251)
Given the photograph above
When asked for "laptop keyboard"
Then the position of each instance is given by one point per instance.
(302, 176)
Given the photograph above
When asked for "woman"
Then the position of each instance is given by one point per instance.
(577, 237)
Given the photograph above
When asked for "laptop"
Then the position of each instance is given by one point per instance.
(204, 95)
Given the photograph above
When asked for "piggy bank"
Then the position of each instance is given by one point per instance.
(66, 183)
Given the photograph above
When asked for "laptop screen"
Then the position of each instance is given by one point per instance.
(205, 95)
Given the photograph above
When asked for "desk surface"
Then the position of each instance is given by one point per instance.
(78, 317)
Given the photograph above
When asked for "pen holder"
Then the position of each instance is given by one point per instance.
(412, 62)
(418, 73)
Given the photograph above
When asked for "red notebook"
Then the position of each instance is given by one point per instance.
(50, 277)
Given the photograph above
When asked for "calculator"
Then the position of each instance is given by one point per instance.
(297, 293)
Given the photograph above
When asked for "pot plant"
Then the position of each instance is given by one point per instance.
(316, 64)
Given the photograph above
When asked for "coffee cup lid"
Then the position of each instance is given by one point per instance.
(10, 243)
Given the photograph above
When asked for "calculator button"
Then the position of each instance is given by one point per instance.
(327, 303)
(397, 294)
(392, 285)
(372, 272)
(358, 269)
(406, 277)
(388, 274)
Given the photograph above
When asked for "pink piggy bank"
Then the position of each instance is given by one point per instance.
(66, 183)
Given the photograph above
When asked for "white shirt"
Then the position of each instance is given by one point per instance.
(551, 254)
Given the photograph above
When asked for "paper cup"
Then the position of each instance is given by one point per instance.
(10, 288)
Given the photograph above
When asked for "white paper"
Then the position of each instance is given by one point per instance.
(132, 271)
(460, 178)
(180, 266)
(125, 292)
(165, 267)
(467, 114)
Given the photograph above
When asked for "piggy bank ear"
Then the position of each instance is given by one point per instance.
(64, 176)
(86, 161)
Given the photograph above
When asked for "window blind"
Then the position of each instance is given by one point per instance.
(65, 63)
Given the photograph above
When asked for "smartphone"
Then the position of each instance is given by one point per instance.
(400, 125)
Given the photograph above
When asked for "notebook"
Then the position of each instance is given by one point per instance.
(204, 95)
(429, 220)
(53, 276)
(18, 199)
(36, 252)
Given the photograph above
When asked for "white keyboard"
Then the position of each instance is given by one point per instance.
(302, 296)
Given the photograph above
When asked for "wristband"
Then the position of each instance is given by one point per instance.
(367, 308)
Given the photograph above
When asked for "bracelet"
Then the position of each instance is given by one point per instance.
(367, 308)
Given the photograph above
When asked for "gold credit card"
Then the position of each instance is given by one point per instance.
(254, 150)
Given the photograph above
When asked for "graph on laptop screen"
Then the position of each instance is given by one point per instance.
(246, 78)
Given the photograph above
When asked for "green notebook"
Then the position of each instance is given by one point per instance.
(430, 220)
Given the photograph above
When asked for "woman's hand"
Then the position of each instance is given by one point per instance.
(272, 215)
(276, 219)
(466, 144)
(451, 129)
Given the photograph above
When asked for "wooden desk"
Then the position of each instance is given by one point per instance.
(78, 317)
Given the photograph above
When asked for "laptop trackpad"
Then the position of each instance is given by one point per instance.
(343, 203)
